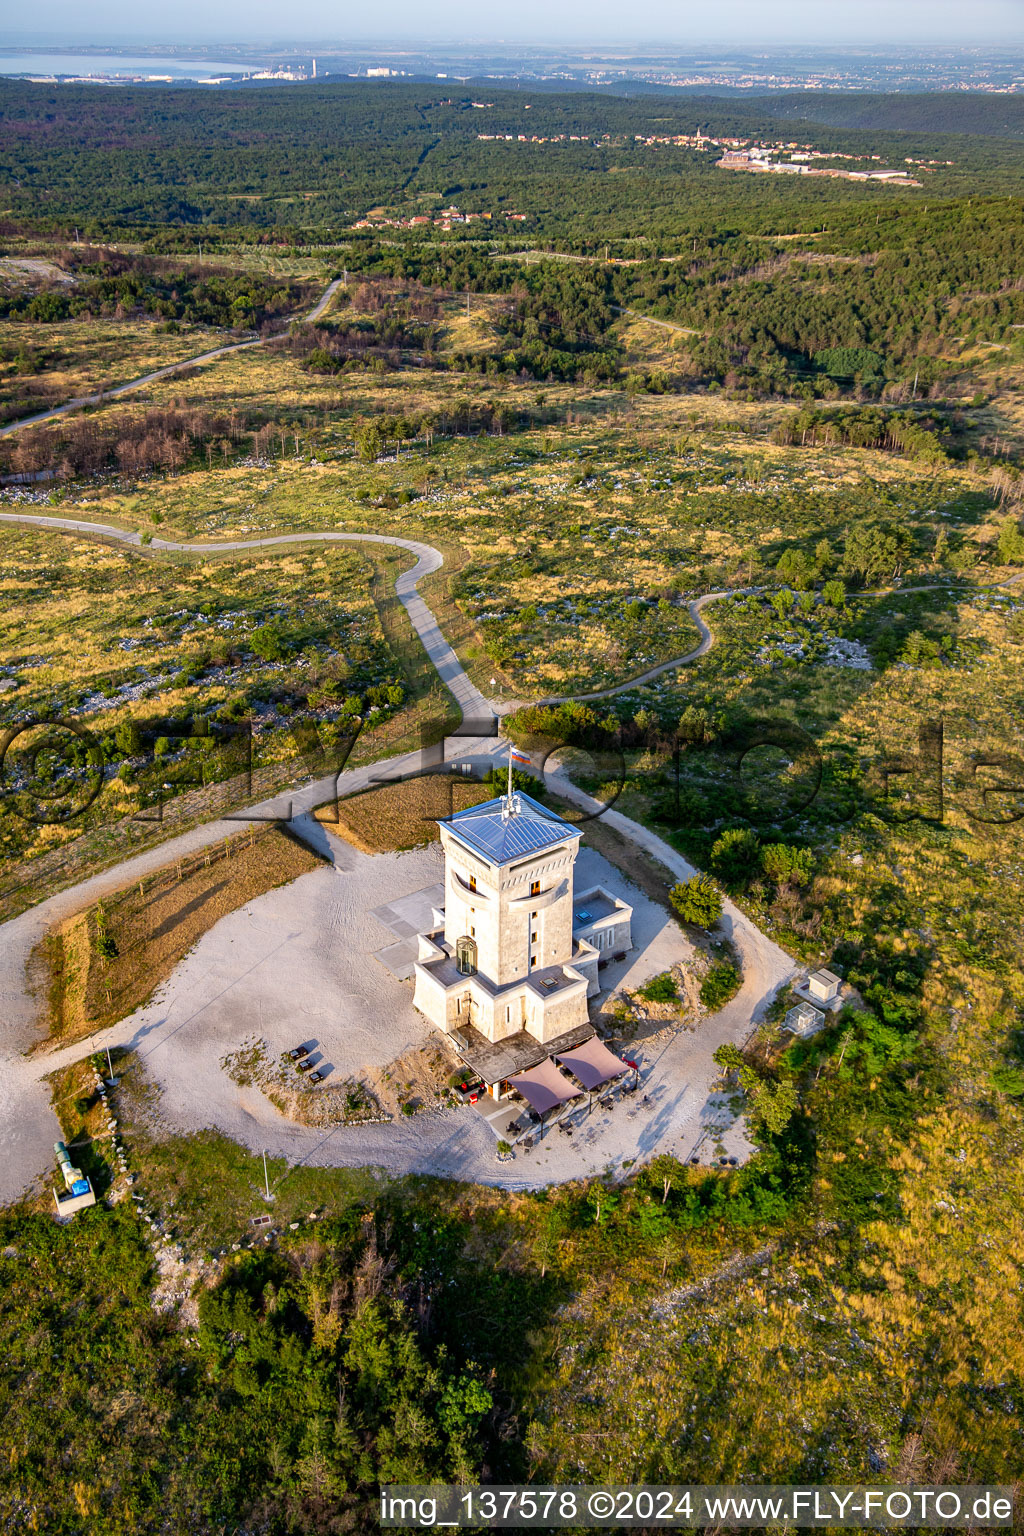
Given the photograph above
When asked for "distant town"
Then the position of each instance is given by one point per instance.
(743, 72)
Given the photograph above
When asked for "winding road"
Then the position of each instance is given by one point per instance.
(474, 706)
(102, 396)
(679, 1080)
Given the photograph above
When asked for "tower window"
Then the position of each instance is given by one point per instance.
(534, 887)
(472, 882)
(465, 955)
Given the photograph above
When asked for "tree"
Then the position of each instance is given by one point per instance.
(734, 855)
(773, 1105)
(794, 567)
(729, 1057)
(834, 593)
(371, 442)
(696, 725)
(698, 901)
(127, 738)
(1010, 543)
(876, 553)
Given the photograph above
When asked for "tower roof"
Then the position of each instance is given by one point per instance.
(501, 831)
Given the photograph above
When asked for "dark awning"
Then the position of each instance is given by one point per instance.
(593, 1063)
(544, 1087)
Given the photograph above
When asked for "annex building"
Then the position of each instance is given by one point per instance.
(509, 974)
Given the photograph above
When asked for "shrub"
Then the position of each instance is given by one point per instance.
(787, 865)
(268, 642)
(721, 982)
(660, 989)
(1010, 543)
(734, 855)
(698, 901)
(1009, 1080)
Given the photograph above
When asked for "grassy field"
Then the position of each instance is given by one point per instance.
(105, 962)
(162, 659)
(41, 367)
(849, 1304)
(400, 816)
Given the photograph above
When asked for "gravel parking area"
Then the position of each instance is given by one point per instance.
(299, 964)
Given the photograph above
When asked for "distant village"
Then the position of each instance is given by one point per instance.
(447, 218)
(759, 157)
(739, 154)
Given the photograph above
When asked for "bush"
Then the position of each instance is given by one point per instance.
(699, 901)
(660, 989)
(1009, 1080)
(269, 642)
(787, 865)
(734, 855)
(721, 982)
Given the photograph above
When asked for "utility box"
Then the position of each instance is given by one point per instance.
(78, 1192)
(823, 986)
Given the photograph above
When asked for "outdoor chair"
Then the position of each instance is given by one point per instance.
(298, 1052)
(304, 1066)
(527, 1143)
(315, 1077)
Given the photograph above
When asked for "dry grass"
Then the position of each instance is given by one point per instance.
(400, 816)
(86, 356)
(154, 925)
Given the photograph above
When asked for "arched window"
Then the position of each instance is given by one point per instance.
(465, 956)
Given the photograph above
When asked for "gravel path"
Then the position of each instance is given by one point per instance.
(295, 953)
(102, 396)
(475, 707)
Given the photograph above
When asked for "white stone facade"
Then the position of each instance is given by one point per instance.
(517, 951)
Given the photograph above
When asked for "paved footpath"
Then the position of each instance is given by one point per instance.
(128, 388)
(678, 1083)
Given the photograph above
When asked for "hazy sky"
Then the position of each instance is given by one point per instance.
(686, 23)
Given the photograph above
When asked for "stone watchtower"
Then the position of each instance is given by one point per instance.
(512, 956)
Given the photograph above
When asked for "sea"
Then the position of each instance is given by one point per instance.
(104, 65)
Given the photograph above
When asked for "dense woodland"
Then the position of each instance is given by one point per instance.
(319, 156)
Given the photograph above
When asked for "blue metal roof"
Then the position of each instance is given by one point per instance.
(500, 839)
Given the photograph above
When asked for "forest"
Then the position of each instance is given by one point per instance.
(321, 156)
